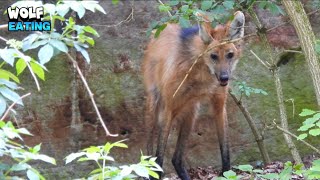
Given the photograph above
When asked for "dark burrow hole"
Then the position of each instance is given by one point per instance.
(200, 133)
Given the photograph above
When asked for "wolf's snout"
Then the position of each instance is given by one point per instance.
(224, 78)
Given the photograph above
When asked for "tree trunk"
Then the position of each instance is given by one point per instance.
(275, 72)
(307, 39)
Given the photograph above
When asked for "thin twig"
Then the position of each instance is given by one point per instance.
(75, 64)
(24, 57)
(3, 26)
(11, 106)
(266, 64)
(291, 134)
(293, 51)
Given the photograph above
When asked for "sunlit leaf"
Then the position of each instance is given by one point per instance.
(37, 69)
(302, 136)
(74, 156)
(3, 105)
(20, 66)
(59, 45)
(45, 54)
(306, 112)
(11, 95)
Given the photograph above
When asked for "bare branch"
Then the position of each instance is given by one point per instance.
(291, 134)
(75, 64)
(11, 106)
(3, 26)
(265, 64)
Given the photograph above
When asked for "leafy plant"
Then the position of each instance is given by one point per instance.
(241, 89)
(19, 154)
(311, 126)
(217, 11)
(101, 155)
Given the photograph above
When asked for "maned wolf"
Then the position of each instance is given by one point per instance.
(166, 62)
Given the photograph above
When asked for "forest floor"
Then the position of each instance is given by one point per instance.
(209, 173)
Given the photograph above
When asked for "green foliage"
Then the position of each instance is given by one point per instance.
(101, 155)
(241, 88)
(19, 153)
(285, 174)
(217, 11)
(311, 125)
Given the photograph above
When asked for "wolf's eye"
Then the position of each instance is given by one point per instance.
(230, 55)
(214, 57)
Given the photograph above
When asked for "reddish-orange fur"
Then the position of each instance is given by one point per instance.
(166, 62)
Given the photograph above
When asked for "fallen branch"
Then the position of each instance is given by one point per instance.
(75, 64)
(11, 106)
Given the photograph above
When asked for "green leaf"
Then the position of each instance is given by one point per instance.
(311, 120)
(37, 44)
(99, 8)
(73, 156)
(315, 132)
(20, 167)
(205, 5)
(36, 148)
(24, 131)
(89, 29)
(302, 136)
(184, 23)
(228, 4)
(184, 8)
(20, 66)
(50, 8)
(173, 2)
(229, 174)
(37, 69)
(77, 6)
(141, 171)
(247, 168)
(164, 8)
(306, 112)
(9, 84)
(115, 2)
(46, 158)
(153, 174)
(11, 95)
(59, 45)
(306, 127)
(83, 52)
(45, 54)
(3, 106)
(4, 74)
(62, 9)
(32, 175)
(8, 55)
(159, 30)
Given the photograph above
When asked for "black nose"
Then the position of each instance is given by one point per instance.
(224, 76)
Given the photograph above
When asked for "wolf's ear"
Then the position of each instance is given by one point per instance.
(236, 26)
(204, 28)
